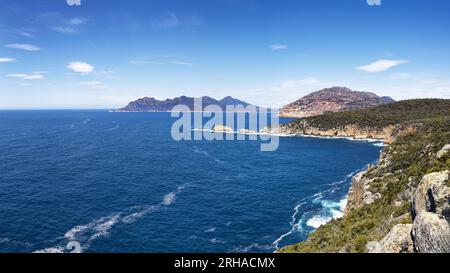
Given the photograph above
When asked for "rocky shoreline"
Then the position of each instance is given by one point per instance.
(416, 210)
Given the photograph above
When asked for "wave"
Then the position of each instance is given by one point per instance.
(112, 129)
(295, 225)
(379, 144)
(216, 241)
(98, 228)
(210, 230)
(329, 210)
(376, 142)
(8, 241)
(86, 121)
(200, 151)
(252, 248)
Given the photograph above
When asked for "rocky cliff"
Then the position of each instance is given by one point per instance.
(335, 99)
(401, 204)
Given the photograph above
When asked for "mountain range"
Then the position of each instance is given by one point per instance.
(153, 105)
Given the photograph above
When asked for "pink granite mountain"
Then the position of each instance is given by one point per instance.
(335, 99)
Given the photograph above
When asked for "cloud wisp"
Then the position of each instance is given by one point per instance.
(277, 47)
(64, 30)
(26, 47)
(28, 77)
(381, 65)
(7, 60)
(161, 62)
(80, 67)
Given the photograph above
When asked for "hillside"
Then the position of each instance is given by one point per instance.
(383, 122)
(153, 105)
(335, 99)
(402, 204)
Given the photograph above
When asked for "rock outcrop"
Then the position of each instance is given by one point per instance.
(335, 99)
(359, 193)
(445, 151)
(430, 231)
(433, 195)
(398, 240)
(431, 234)
(431, 213)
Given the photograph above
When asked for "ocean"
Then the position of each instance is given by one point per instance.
(118, 182)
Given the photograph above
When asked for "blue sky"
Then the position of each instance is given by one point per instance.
(102, 54)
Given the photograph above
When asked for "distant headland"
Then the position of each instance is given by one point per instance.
(149, 104)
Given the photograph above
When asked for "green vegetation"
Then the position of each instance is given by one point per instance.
(409, 158)
(378, 117)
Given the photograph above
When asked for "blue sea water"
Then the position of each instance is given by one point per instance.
(118, 182)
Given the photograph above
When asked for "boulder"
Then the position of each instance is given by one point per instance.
(398, 240)
(431, 234)
(443, 151)
(432, 195)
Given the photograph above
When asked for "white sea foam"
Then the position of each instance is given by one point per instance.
(210, 230)
(86, 121)
(87, 233)
(379, 144)
(330, 210)
(84, 234)
(169, 199)
(216, 241)
(131, 218)
(252, 247)
(370, 140)
(317, 221)
(56, 249)
(294, 226)
(112, 129)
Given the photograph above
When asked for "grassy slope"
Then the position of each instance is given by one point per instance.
(411, 156)
(381, 116)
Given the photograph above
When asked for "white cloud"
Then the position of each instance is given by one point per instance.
(25, 47)
(7, 60)
(73, 2)
(25, 33)
(160, 62)
(170, 21)
(34, 76)
(92, 83)
(65, 30)
(296, 85)
(77, 21)
(80, 67)
(96, 85)
(278, 47)
(381, 65)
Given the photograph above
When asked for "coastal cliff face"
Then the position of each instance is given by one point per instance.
(333, 99)
(401, 204)
(387, 133)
